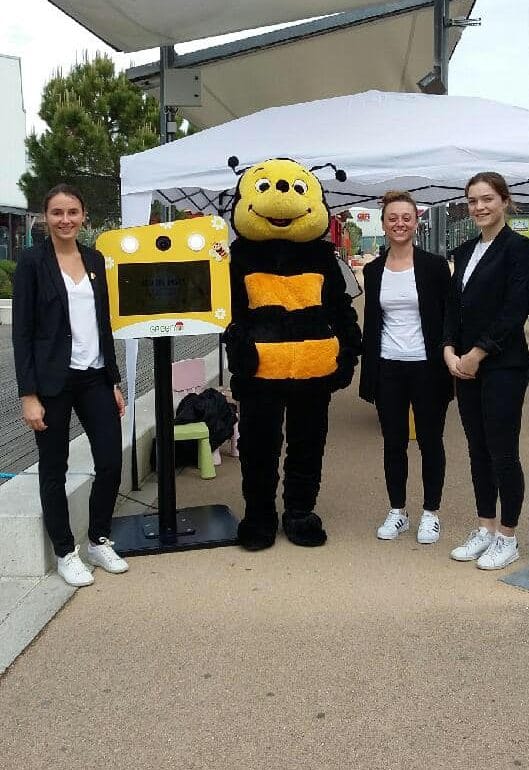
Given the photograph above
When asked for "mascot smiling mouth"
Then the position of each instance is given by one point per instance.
(276, 221)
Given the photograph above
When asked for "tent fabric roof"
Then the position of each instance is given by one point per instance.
(426, 144)
(133, 25)
(388, 48)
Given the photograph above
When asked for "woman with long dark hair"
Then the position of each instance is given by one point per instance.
(402, 364)
(64, 359)
(486, 351)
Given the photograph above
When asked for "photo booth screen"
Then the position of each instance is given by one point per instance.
(164, 287)
(169, 279)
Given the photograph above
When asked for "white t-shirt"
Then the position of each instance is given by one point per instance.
(479, 249)
(402, 338)
(83, 323)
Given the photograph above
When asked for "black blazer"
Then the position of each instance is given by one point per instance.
(432, 278)
(42, 337)
(491, 310)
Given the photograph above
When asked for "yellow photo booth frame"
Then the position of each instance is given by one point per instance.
(199, 240)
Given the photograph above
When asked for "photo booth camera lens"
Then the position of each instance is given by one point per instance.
(163, 243)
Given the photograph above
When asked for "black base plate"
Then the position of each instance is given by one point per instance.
(205, 526)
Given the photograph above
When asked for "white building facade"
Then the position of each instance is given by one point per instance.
(13, 205)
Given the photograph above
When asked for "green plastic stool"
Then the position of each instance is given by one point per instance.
(198, 431)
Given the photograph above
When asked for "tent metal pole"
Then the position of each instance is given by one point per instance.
(440, 62)
(441, 19)
(164, 57)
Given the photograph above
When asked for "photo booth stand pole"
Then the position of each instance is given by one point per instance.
(221, 363)
(163, 407)
(206, 526)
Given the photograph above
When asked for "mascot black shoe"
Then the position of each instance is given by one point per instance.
(304, 528)
(293, 340)
(256, 533)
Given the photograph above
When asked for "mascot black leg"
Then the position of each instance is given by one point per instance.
(306, 434)
(260, 440)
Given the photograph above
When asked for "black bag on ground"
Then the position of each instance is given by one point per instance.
(210, 407)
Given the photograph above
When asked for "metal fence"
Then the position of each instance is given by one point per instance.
(457, 231)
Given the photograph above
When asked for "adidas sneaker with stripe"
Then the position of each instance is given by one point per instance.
(429, 528)
(395, 524)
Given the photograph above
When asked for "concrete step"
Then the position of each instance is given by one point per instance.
(25, 550)
(26, 606)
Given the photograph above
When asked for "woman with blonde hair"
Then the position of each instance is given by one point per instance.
(485, 349)
(402, 364)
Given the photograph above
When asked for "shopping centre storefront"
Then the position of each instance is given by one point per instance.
(13, 232)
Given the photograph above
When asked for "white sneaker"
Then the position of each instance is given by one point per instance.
(73, 571)
(500, 553)
(104, 556)
(429, 528)
(396, 523)
(476, 543)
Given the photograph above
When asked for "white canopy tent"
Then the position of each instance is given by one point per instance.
(427, 144)
(133, 25)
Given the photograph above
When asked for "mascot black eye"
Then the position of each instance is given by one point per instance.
(300, 186)
(262, 185)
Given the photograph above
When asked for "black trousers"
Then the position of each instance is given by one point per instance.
(491, 411)
(90, 395)
(400, 384)
(260, 442)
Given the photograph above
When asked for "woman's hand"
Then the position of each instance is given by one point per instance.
(451, 360)
(453, 363)
(120, 401)
(33, 413)
(469, 362)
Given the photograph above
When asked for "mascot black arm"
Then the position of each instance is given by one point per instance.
(240, 348)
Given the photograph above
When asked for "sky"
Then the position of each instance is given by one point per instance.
(490, 61)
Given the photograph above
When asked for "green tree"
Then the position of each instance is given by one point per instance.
(94, 116)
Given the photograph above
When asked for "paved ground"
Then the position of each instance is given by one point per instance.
(17, 445)
(361, 655)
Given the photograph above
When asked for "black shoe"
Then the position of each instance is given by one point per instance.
(255, 537)
(304, 528)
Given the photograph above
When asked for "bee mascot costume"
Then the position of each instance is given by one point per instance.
(293, 340)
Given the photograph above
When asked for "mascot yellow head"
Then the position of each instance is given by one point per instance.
(279, 199)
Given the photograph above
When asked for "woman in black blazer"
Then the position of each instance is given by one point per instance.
(402, 364)
(64, 359)
(486, 351)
